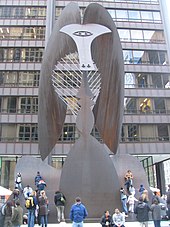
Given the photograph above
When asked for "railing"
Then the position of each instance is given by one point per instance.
(139, 112)
(135, 139)
(25, 84)
(36, 84)
(19, 111)
(150, 86)
(126, 112)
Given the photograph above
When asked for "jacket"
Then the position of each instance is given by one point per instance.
(17, 216)
(78, 212)
(156, 211)
(37, 179)
(142, 210)
(43, 205)
(118, 219)
(57, 199)
(105, 220)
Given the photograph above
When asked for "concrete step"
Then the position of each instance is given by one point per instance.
(127, 224)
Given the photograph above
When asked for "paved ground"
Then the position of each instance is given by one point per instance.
(127, 224)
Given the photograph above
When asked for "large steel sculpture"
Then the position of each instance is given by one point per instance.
(82, 70)
(98, 62)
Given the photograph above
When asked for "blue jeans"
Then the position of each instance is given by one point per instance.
(31, 217)
(124, 201)
(157, 223)
(43, 219)
(79, 224)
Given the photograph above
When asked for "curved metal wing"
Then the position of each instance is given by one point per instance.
(108, 56)
(52, 110)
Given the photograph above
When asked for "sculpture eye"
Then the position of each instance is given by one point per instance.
(82, 33)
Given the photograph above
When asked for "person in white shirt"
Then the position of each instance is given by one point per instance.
(27, 191)
(131, 201)
(118, 219)
(18, 181)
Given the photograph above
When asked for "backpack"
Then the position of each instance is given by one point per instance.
(62, 199)
(29, 203)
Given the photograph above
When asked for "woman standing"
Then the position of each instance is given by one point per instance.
(43, 208)
(156, 213)
(8, 214)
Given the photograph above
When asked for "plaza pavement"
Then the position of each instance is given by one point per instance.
(127, 224)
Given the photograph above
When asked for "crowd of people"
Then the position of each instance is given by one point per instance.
(157, 205)
(36, 203)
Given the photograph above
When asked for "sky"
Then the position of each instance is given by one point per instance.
(168, 6)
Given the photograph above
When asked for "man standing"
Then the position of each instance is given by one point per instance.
(156, 213)
(59, 200)
(37, 178)
(17, 216)
(142, 210)
(18, 181)
(31, 203)
(78, 213)
(123, 197)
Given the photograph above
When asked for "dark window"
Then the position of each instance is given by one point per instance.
(11, 106)
(159, 105)
(163, 132)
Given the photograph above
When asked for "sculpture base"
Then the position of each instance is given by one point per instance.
(89, 173)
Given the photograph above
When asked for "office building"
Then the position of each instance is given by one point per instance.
(25, 26)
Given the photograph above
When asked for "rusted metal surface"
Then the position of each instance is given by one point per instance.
(107, 54)
(52, 110)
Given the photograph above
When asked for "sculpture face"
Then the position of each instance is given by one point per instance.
(104, 57)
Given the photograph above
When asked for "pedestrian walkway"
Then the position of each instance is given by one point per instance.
(127, 224)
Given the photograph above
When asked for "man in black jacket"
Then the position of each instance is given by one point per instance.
(142, 210)
(59, 200)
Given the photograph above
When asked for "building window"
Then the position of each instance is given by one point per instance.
(33, 54)
(8, 132)
(130, 106)
(12, 105)
(138, 16)
(5, 12)
(122, 15)
(159, 104)
(29, 78)
(21, 54)
(163, 132)
(134, 15)
(69, 133)
(124, 35)
(28, 132)
(145, 105)
(147, 163)
(147, 16)
(19, 78)
(151, 57)
(0, 104)
(133, 132)
(29, 105)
